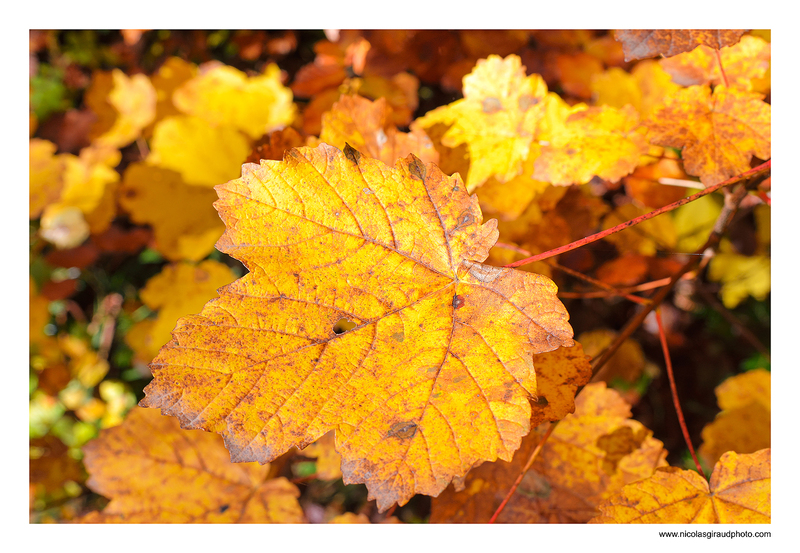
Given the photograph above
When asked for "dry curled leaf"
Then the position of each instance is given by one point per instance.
(433, 373)
(153, 471)
(738, 493)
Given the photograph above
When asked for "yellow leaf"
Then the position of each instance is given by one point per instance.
(124, 104)
(590, 454)
(644, 238)
(149, 194)
(738, 493)
(597, 141)
(743, 425)
(224, 96)
(435, 373)
(740, 275)
(496, 119)
(203, 154)
(46, 175)
(89, 185)
(197, 283)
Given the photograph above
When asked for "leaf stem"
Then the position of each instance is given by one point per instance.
(525, 469)
(663, 337)
(627, 224)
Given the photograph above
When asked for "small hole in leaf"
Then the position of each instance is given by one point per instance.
(343, 325)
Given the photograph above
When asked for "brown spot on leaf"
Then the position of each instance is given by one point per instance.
(526, 101)
(403, 430)
(491, 105)
(458, 301)
(351, 153)
(399, 336)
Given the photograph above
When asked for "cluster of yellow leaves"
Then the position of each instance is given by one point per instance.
(197, 284)
(220, 109)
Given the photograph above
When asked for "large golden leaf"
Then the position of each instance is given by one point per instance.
(434, 372)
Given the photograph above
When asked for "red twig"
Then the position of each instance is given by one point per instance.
(642, 218)
(663, 336)
(722, 69)
(525, 469)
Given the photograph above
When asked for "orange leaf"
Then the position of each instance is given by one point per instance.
(719, 132)
(591, 453)
(738, 493)
(153, 471)
(433, 373)
(367, 127)
(648, 43)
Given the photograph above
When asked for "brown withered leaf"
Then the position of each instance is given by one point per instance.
(649, 43)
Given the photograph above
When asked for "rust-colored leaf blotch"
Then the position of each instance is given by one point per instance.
(434, 372)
